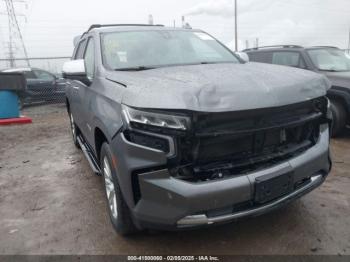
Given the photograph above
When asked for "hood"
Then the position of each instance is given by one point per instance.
(340, 79)
(219, 87)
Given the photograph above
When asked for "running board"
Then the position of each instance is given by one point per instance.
(89, 155)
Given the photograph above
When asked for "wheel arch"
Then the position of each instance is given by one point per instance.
(99, 138)
(67, 104)
(341, 95)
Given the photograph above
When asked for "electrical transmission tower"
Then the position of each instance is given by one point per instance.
(16, 43)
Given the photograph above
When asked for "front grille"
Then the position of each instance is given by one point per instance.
(233, 143)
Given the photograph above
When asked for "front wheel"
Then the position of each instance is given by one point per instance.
(119, 212)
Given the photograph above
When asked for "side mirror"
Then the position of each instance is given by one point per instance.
(243, 56)
(75, 70)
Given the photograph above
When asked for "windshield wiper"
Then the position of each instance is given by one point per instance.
(328, 70)
(136, 68)
(215, 62)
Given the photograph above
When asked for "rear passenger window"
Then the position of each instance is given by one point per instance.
(29, 75)
(261, 57)
(288, 59)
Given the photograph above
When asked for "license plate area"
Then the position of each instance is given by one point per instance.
(273, 186)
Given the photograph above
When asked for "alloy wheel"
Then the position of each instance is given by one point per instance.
(72, 126)
(110, 190)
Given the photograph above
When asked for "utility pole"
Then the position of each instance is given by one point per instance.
(150, 19)
(236, 26)
(15, 35)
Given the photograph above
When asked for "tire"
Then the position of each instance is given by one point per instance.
(339, 117)
(74, 130)
(118, 210)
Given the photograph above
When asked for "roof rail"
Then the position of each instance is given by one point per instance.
(107, 25)
(272, 46)
(325, 46)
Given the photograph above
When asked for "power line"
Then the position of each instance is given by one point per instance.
(15, 36)
(236, 27)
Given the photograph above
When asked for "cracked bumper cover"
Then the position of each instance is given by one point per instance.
(170, 203)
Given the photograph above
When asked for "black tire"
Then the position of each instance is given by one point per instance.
(74, 130)
(339, 117)
(122, 222)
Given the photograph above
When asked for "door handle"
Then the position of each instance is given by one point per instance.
(76, 87)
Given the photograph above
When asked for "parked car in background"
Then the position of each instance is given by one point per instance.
(42, 86)
(186, 134)
(329, 61)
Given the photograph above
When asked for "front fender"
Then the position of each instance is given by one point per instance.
(107, 109)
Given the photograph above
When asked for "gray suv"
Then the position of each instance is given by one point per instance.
(186, 134)
(327, 60)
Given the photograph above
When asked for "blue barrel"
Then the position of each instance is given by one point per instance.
(8, 104)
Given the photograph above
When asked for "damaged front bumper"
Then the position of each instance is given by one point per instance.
(159, 200)
(203, 219)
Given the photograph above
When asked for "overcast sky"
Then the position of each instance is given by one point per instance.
(52, 24)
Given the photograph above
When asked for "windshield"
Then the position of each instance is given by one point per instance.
(150, 49)
(330, 59)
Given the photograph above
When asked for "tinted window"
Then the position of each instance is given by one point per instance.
(288, 59)
(89, 58)
(29, 75)
(261, 57)
(43, 75)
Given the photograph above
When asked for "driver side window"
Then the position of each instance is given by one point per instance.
(287, 58)
(89, 58)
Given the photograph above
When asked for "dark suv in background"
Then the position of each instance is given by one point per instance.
(42, 86)
(329, 61)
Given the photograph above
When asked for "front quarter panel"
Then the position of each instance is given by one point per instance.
(105, 105)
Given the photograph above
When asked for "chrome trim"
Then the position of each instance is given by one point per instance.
(202, 219)
(89, 156)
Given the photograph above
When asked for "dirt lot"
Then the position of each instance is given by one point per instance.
(52, 203)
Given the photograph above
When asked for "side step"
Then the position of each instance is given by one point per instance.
(89, 156)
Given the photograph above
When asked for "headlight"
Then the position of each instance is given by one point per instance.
(134, 116)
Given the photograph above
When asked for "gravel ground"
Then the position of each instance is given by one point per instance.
(52, 203)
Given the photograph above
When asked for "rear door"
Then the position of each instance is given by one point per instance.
(288, 58)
